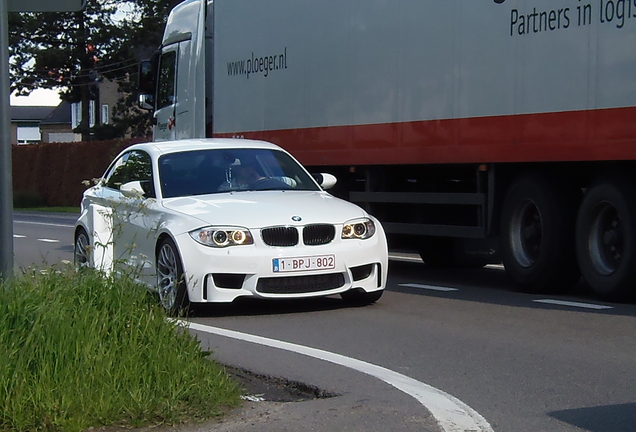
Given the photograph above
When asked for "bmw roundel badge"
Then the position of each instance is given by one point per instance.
(296, 218)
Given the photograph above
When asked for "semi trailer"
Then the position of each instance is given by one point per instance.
(476, 131)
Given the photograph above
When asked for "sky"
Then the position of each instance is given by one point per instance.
(38, 97)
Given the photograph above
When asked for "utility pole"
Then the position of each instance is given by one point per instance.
(6, 181)
(6, 189)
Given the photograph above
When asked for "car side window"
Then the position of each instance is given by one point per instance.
(131, 166)
(115, 176)
(139, 166)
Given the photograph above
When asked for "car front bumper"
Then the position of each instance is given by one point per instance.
(224, 274)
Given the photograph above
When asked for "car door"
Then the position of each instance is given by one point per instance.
(142, 215)
(135, 217)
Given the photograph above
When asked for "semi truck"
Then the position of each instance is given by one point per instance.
(477, 131)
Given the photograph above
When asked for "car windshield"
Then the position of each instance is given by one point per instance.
(202, 172)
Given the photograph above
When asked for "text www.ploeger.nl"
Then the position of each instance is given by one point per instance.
(258, 65)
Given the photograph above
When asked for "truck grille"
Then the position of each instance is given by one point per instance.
(280, 236)
(300, 284)
(318, 234)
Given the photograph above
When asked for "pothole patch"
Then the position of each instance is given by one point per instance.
(258, 387)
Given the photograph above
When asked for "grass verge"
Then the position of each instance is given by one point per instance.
(82, 349)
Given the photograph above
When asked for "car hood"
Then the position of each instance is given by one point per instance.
(257, 209)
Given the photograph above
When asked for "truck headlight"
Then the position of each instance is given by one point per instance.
(358, 229)
(222, 236)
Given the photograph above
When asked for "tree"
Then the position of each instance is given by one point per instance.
(72, 51)
(144, 26)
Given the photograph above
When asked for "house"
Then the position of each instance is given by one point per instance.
(33, 124)
(56, 127)
(100, 109)
(25, 123)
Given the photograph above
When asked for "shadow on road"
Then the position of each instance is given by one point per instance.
(491, 285)
(609, 418)
(258, 307)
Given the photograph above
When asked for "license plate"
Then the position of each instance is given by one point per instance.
(321, 262)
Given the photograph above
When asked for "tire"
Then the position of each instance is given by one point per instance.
(537, 234)
(81, 258)
(359, 297)
(606, 238)
(171, 284)
(437, 252)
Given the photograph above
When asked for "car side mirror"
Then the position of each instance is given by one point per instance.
(326, 181)
(133, 189)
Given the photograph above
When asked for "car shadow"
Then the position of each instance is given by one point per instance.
(259, 307)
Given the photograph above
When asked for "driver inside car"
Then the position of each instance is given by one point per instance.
(249, 177)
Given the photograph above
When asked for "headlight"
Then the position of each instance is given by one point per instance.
(358, 229)
(222, 236)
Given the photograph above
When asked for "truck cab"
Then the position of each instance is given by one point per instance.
(172, 82)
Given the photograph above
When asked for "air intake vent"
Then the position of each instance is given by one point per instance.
(228, 280)
(361, 272)
(318, 234)
(280, 236)
(300, 284)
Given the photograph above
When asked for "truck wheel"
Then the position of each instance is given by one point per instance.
(537, 234)
(606, 238)
(437, 252)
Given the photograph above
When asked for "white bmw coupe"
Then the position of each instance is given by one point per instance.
(211, 220)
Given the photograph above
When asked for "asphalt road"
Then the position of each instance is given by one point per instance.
(522, 362)
(41, 239)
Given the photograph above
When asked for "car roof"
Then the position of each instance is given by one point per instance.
(166, 147)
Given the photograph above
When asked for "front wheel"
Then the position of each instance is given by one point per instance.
(171, 284)
(606, 238)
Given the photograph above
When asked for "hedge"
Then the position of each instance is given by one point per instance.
(53, 173)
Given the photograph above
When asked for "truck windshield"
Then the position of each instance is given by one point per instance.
(213, 171)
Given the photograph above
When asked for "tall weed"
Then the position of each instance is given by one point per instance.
(83, 349)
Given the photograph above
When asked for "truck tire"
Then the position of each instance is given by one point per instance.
(537, 234)
(437, 252)
(606, 238)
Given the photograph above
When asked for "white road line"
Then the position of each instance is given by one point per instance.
(451, 414)
(44, 223)
(573, 304)
(18, 236)
(43, 240)
(429, 287)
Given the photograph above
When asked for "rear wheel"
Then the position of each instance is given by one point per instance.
(606, 238)
(537, 234)
(171, 284)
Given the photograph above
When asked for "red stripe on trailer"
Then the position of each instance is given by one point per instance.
(606, 134)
